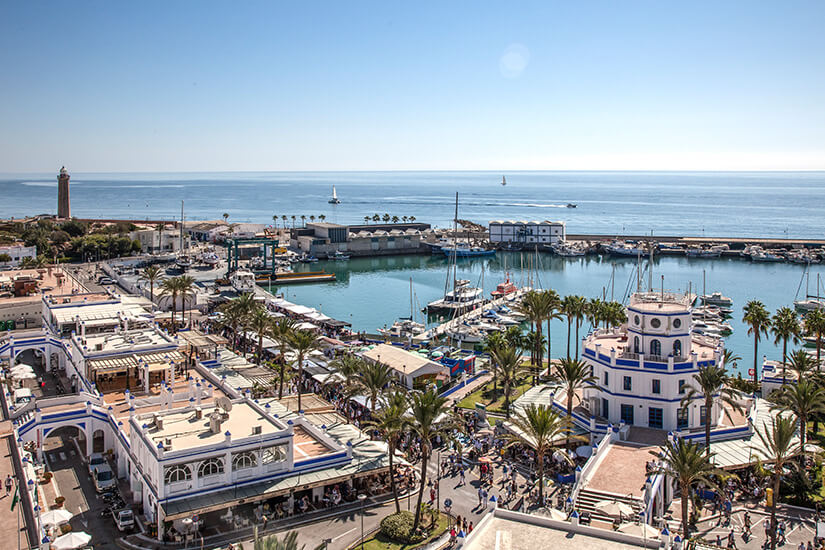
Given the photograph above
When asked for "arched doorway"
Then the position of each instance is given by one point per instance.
(98, 442)
(65, 444)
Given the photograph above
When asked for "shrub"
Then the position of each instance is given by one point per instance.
(398, 527)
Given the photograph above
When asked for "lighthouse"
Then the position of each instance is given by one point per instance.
(64, 209)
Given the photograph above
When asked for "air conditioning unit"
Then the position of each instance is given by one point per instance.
(256, 430)
(158, 421)
(167, 444)
(198, 413)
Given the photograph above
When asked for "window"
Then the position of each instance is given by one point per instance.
(605, 378)
(627, 414)
(271, 455)
(627, 383)
(636, 320)
(682, 418)
(655, 347)
(655, 323)
(677, 348)
(703, 415)
(244, 460)
(657, 386)
(681, 386)
(605, 409)
(211, 467)
(677, 323)
(175, 474)
(654, 418)
(636, 344)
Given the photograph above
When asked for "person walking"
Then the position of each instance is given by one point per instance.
(9, 484)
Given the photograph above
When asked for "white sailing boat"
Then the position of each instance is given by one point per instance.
(334, 199)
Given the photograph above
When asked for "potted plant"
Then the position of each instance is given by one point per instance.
(47, 477)
(58, 502)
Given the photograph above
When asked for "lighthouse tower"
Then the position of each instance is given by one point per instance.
(64, 209)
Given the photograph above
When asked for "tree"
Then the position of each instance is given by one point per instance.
(815, 326)
(225, 216)
(322, 217)
(511, 369)
(376, 218)
(302, 343)
(282, 330)
(283, 219)
(425, 409)
(759, 321)
(312, 217)
(152, 274)
(730, 359)
(275, 221)
(539, 427)
(711, 383)
(494, 341)
(345, 370)
(186, 291)
(386, 218)
(412, 219)
(374, 379)
(778, 442)
(785, 327)
(171, 288)
(687, 464)
(367, 220)
(553, 312)
(801, 363)
(232, 318)
(577, 310)
(613, 314)
(535, 306)
(404, 219)
(805, 399)
(261, 323)
(573, 375)
(294, 217)
(303, 220)
(395, 219)
(534, 340)
(390, 423)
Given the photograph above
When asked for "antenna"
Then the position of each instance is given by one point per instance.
(224, 403)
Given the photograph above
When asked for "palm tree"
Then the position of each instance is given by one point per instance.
(534, 340)
(294, 217)
(186, 291)
(778, 441)
(302, 342)
(374, 380)
(805, 399)
(404, 219)
(553, 313)
(535, 306)
(539, 427)
(412, 219)
(322, 217)
(261, 323)
(578, 310)
(395, 219)
(710, 384)
(347, 368)
(573, 375)
(159, 228)
(566, 308)
(233, 319)
(785, 327)
(171, 287)
(508, 359)
(283, 219)
(687, 464)
(614, 314)
(152, 274)
(367, 220)
(390, 423)
(386, 218)
(759, 321)
(376, 218)
(815, 326)
(425, 409)
(282, 330)
(595, 311)
(729, 358)
(312, 218)
(801, 363)
(492, 342)
(303, 220)
(225, 216)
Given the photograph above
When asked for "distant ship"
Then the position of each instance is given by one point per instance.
(503, 180)
(334, 199)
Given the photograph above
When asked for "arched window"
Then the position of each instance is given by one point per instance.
(636, 344)
(677, 348)
(271, 455)
(211, 467)
(655, 347)
(179, 472)
(246, 459)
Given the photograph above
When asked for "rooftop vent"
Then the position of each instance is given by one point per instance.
(256, 430)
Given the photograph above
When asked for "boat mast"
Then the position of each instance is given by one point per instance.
(455, 243)
(650, 272)
(181, 226)
(411, 301)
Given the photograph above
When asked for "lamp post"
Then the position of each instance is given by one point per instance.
(362, 497)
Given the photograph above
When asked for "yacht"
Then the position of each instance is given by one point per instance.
(716, 299)
(504, 288)
(621, 248)
(183, 261)
(242, 281)
(809, 304)
(464, 250)
(461, 299)
(209, 257)
(403, 328)
(334, 199)
(339, 256)
(571, 205)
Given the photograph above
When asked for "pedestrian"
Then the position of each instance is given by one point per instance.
(9, 484)
(461, 476)
(718, 540)
(731, 539)
(470, 529)
(432, 495)
(452, 535)
(484, 498)
(264, 519)
(480, 495)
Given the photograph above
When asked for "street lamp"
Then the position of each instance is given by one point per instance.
(362, 497)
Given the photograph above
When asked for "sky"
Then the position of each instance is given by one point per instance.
(387, 85)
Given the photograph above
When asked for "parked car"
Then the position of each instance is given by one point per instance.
(124, 519)
(22, 396)
(95, 459)
(106, 281)
(104, 478)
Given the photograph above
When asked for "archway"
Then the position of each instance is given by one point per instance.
(65, 444)
(98, 442)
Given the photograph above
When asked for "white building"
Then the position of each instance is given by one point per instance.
(535, 232)
(645, 367)
(153, 241)
(17, 253)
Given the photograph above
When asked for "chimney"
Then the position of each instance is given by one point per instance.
(215, 421)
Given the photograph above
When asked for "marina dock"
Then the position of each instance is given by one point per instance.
(442, 329)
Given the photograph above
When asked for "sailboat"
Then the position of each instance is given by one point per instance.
(503, 181)
(183, 260)
(811, 301)
(334, 199)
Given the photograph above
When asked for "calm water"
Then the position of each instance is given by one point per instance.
(373, 292)
(674, 203)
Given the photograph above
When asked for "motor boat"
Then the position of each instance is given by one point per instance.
(716, 299)
(209, 257)
(403, 328)
(242, 281)
(183, 261)
(504, 288)
(339, 256)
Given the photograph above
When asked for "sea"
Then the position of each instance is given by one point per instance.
(373, 292)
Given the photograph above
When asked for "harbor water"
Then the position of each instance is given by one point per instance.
(373, 292)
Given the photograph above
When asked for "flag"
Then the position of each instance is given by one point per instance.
(14, 499)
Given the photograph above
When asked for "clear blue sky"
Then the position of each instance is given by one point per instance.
(299, 85)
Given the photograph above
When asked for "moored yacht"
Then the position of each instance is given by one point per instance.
(242, 280)
(504, 288)
(461, 299)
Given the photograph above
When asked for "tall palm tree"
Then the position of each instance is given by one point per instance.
(376, 218)
(374, 380)
(687, 464)
(404, 219)
(539, 427)
(710, 384)
(578, 310)
(759, 321)
(345, 370)
(534, 340)
(303, 220)
(261, 323)
(614, 314)
(367, 219)
(573, 375)
(730, 359)
(535, 306)
(566, 308)
(395, 219)
(425, 409)
(412, 219)
(233, 319)
(152, 274)
(390, 423)
(801, 363)
(778, 441)
(785, 327)
(510, 370)
(284, 219)
(815, 326)
(171, 288)
(294, 217)
(312, 218)
(275, 220)
(595, 311)
(186, 291)
(805, 399)
(302, 343)
(322, 217)
(225, 216)
(386, 218)
(492, 342)
(282, 330)
(553, 313)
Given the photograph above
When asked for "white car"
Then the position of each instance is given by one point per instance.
(95, 460)
(124, 519)
(104, 478)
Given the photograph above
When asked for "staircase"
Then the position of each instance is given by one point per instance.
(587, 499)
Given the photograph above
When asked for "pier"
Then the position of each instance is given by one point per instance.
(442, 329)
